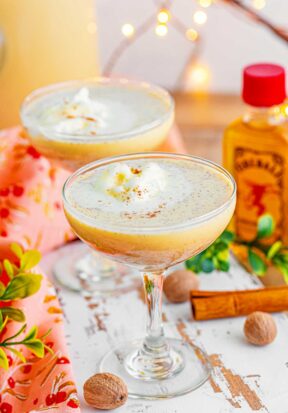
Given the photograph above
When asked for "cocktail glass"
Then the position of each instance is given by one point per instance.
(80, 269)
(155, 367)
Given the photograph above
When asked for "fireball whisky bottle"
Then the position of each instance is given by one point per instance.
(255, 151)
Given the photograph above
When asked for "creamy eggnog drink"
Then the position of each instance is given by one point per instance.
(76, 122)
(142, 211)
(152, 211)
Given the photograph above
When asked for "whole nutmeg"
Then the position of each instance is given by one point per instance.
(105, 391)
(260, 328)
(178, 284)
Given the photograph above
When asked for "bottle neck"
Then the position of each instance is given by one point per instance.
(262, 118)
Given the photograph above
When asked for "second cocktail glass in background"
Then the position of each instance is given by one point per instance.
(76, 122)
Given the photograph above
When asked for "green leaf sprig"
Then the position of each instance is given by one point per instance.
(31, 341)
(260, 255)
(215, 257)
(22, 283)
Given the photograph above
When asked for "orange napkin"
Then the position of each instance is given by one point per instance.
(30, 196)
(39, 384)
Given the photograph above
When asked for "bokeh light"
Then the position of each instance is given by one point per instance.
(200, 17)
(205, 3)
(161, 30)
(192, 34)
(128, 30)
(198, 77)
(259, 4)
(163, 16)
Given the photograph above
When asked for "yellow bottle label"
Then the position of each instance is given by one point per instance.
(260, 177)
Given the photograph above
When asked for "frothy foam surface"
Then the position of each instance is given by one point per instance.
(147, 192)
(97, 110)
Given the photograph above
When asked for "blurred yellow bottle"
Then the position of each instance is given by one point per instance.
(255, 151)
(42, 42)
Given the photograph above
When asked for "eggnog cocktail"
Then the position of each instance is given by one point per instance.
(139, 210)
(151, 211)
(77, 122)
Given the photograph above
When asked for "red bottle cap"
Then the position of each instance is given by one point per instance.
(263, 85)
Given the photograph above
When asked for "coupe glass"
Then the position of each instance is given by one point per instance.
(154, 367)
(80, 269)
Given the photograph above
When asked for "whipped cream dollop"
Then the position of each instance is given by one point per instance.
(131, 185)
(123, 187)
(79, 113)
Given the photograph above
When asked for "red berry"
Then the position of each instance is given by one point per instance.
(11, 382)
(18, 190)
(4, 212)
(10, 362)
(50, 399)
(48, 344)
(3, 233)
(32, 151)
(26, 369)
(63, 360)
(61, 396)
(4, 191)
(73, 403)
(35, 401)
(6, 408)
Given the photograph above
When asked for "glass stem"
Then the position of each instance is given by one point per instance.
(155, 359)
(153, 288)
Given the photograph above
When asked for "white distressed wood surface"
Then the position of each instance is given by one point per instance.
(245, 379)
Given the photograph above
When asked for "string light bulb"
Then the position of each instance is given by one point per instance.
(198, 77)
(161, 30)
(128, 30)
(163, 16)
(192, 35)
(259, 4)
(200, 17)
(205, 3)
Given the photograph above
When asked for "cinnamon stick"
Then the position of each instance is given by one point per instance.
(219, 304)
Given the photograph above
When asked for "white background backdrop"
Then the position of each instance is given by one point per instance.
(230, 41)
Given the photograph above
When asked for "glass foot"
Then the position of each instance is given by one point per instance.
(184, 370)
(80, 270)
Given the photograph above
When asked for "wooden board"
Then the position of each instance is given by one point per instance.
(245, 379)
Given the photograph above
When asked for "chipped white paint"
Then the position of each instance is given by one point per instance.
(246, 378)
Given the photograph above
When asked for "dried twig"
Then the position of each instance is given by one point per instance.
(279, 32)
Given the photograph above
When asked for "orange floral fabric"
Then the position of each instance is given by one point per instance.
(30, 196)
(39, 385)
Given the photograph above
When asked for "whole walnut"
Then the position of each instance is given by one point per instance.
(178, 284)
(260, 328)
